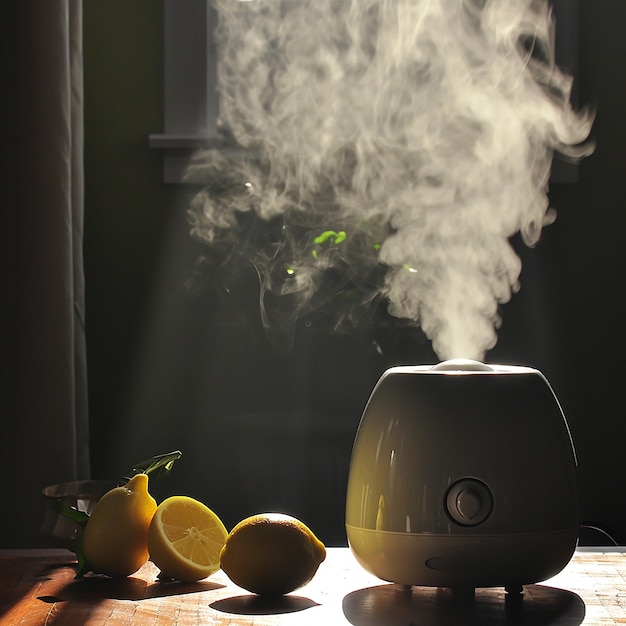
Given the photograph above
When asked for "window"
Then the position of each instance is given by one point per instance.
(190, 85)
(190, 76)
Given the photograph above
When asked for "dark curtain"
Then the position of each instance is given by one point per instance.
(43, 392)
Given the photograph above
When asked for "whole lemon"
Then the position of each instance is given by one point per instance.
(114, 541)
(271, 554)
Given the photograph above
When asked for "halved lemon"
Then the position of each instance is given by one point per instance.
(185, 539)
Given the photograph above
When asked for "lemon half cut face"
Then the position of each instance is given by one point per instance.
(185, 539)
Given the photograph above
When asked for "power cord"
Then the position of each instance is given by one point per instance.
(597, 528)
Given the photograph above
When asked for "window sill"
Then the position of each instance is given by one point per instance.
(177, 151)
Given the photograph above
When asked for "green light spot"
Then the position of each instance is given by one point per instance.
(290, 271)
(314, 253)
(376, 246)
(327, 234)
(332, 236)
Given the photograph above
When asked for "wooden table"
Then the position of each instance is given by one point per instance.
(38, 587)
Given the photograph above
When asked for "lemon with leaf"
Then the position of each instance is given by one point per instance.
(114, 540)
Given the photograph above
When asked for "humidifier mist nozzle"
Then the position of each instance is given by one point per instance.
(465, 365)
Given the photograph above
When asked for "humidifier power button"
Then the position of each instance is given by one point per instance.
(469, 502)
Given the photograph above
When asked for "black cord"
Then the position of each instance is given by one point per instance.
(597, 528)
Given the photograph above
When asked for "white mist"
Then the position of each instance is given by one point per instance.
(422, 129)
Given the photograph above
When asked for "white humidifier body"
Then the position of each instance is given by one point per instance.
(462, 475)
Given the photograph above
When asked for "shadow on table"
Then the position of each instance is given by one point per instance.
(131, 588)
(392, 605)
(260, 605)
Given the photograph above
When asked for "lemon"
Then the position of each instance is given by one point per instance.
(271, 554)
(114, 539)
(185, 538)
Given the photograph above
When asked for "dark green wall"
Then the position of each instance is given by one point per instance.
(127, 205)
(567, 319)
(584, 271)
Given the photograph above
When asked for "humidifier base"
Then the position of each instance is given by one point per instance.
(462, 561)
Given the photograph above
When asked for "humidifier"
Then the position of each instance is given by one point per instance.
(462, 475)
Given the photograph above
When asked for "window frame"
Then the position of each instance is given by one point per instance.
(190, 95)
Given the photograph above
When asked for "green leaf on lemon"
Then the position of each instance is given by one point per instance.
(155, 466)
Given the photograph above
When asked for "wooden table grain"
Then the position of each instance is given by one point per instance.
(38, 587)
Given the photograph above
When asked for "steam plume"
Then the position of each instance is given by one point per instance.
(389, 150)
